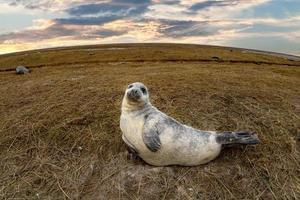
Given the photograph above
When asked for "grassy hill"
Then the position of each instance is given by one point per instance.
(59, 125)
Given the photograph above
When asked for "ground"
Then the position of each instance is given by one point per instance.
(60, 135)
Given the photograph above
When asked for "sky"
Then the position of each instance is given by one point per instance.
(272, 25)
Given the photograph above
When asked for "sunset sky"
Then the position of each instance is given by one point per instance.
(272, 25)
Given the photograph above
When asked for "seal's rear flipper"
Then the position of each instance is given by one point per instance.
(232, 138)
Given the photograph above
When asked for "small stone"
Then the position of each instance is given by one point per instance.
(22, 70)
(215, 58)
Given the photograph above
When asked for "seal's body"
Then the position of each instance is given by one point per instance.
(161, 140)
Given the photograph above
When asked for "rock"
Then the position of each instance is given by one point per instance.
(215, 58)
(258, 62)
(22, 70)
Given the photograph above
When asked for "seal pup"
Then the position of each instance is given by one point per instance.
(161, 140)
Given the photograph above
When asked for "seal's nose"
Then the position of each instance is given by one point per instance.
(134, 94)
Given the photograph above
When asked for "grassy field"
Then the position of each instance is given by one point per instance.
(59, 125)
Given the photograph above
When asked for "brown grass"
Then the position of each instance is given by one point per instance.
(60, 136)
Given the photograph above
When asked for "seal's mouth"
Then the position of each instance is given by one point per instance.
(134, 95)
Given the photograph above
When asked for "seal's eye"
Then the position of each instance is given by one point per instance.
(130, 86)
(144, 90)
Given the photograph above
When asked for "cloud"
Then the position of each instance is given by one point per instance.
(52, 29)
(34, 4)
(87, 20)
(176, 28)
(134, 2)
(123, 8)
(109, 33)
(167, 2)
(63, 5)
(88, 9)
(85, 17)
(101, 13)
(206, 4)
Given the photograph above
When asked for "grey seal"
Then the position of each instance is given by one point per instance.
(160, 140)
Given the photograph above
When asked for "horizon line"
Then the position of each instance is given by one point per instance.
(286, 55)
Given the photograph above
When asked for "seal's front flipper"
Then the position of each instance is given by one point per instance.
(130, 147)
(151, 139)
(132, 153)
(242, 137)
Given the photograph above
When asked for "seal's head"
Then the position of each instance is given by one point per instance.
(136, 95)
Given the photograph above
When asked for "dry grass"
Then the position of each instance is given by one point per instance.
(60, 136)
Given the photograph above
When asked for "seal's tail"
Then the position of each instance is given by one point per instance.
(241, 137)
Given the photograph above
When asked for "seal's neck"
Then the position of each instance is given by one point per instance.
(130, 107)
